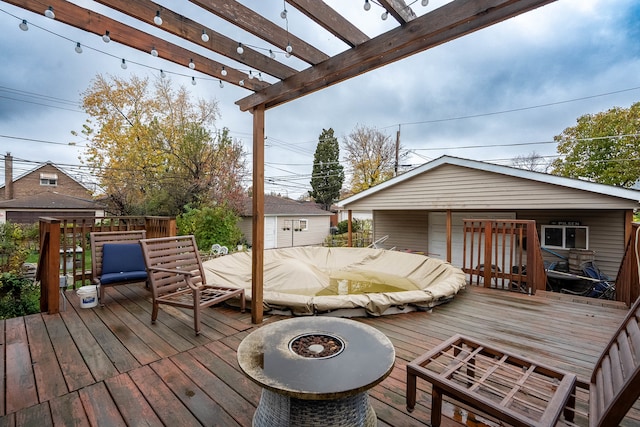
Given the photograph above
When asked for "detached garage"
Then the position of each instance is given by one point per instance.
(423, 210)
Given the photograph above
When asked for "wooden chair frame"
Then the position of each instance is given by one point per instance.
(177, 277)
(97, 240)
(465, 369)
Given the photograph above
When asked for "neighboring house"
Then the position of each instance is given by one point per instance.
(288, 223)
(44, 191)
(412, 209)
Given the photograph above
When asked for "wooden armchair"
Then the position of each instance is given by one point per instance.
(522, 392)
(116, 258)
(177, 277)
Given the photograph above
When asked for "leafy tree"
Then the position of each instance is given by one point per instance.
(602, 147)
(328, 174)
(531, 162)
(371, 155)
(153, 149)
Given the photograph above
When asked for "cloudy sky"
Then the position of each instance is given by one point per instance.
(493, 95)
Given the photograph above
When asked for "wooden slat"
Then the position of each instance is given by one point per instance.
(131, 402)
(20, 380)
(100, 407)
(67, 410)
(48, 375)
(37, 415)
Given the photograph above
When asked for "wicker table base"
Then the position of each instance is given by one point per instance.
(277, 410)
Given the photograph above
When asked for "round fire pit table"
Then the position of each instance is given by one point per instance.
(316, 371)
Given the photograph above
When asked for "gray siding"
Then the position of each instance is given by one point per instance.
(318, 230)
(460, 188)
(407, 230)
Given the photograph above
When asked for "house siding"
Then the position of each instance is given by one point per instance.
(394, 224)
(461, 188)
(318, 230)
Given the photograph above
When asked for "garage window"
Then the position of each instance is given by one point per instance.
(565, 237)
(49, 179)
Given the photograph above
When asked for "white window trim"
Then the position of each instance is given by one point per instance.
(303, 224)
(564, 236)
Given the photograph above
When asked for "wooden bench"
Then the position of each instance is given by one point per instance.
(522, 392)
(177, 277)
(120, 264)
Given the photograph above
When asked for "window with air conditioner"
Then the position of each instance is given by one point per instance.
(49, 179)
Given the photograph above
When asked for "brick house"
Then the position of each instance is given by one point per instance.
(45, 190)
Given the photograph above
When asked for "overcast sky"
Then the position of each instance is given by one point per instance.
(506, 90)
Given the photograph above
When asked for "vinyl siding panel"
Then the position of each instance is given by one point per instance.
(317, 231)
(407, 230)
(460, 188)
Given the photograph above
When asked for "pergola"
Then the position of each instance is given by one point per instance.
(282, 83)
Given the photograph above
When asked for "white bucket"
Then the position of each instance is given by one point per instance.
(88, 296)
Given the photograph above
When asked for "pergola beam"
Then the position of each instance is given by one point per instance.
(453, 20)
(399, 10)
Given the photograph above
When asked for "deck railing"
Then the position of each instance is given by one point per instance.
(503, 254)
(65, 258)
(627, 280)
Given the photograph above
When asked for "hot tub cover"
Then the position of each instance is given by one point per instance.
(293, 278)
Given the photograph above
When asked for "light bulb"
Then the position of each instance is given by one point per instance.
(23, 25)
(240, 49)
(289, 49)
(224, 71)
(384, 15)
(49, 13)
(250, 75)
(367, 5)
(260, 77)
(271, 54)
(193, 81)
(78, 47)
(157, 19)
(287, 54)
(123, 65)
(204, 36)
(221, 84)
(163, 74)
(105, 37)
(425, 2)
(154, 52)
(283, 14)
(241, 82)
(192, 65)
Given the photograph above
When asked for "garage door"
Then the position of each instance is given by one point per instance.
(438, 232)
(270, 231)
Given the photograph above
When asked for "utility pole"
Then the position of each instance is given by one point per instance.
(395, 168)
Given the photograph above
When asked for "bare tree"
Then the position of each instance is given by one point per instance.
(532, 162)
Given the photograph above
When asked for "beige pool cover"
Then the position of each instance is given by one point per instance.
(342, 281)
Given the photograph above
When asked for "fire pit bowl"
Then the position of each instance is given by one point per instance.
(312, 372)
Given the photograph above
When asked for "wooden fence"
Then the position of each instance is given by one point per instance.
(64, 249)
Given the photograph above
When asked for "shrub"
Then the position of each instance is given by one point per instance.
(19, 296)
(14, 246)
(210, 225)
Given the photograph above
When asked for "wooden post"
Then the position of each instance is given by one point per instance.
(49, 265)
(449, 244)
(349, 231)
(488, 228)
(257, 251)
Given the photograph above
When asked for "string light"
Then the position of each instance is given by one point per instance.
(241, 83)
(78, 47)
(240, 49)
(192, 65)
(259, 76)
(283, 14)
(157, 19)
(223, 72)
(193, 81)
(162, 74)
(154, 52)
(272, 54)
(384, 15)
(106, 38)
(367, 5)
(204, 36)
(221, 84)
(425, 2)
(123, 65)
(250, 75)
(289, 49)
(23, 25)
(49, 13)
(287, 54)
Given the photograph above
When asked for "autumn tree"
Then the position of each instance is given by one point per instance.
(531, 162)
(327, 173)
(602, 147)
(154, 149)
(371, 156)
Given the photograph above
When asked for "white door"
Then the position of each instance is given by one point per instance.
(438, 232)
(270, 232)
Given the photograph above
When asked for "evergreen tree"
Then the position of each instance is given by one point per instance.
(328, 174)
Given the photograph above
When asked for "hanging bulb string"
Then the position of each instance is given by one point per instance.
(128, 62)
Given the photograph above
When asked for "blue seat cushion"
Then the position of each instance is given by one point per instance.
(122, 262)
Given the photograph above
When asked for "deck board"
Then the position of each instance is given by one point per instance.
(111, 366)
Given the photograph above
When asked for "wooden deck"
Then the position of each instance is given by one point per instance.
(110, 367)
